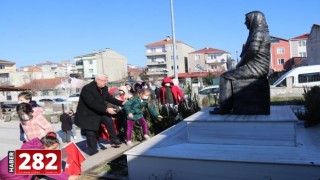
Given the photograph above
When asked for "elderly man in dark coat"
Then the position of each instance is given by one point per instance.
(254, 63)
(92, 111)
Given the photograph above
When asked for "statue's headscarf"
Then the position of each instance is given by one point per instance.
(257, 21)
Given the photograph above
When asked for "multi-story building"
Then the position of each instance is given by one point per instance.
(88, 61)
(160, 61)
(208, 60)
(107, 62)
(280, 54)
(46, 70)
(6, 67)
(298, 46)
(59, 69)
(313, 46)
(27, 74)
(70, 68)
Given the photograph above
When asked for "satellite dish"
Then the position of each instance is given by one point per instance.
(198, 66)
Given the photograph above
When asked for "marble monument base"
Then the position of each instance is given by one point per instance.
(206, 146)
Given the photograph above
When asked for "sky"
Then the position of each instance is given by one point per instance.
(36, 31)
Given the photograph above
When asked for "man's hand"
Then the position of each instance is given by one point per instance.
(160, 117)
(130, 115)
(111, 111)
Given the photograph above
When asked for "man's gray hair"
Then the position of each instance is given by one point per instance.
(99, 76)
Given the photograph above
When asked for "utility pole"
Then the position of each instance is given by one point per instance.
(174, 42)
(237, 57)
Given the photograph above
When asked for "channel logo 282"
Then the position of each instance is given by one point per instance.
(37, 161)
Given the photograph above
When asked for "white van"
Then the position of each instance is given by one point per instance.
(303, 76)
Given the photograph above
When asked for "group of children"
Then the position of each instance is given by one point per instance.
(36, 133)
(141, 96)
(132, 110)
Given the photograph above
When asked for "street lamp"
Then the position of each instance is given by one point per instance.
(174, 42)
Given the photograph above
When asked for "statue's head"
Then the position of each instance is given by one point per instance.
(255, 19)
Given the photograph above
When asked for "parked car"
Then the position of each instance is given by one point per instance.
(41, 102)
(209, 90)
(9, 106)
(73, 97)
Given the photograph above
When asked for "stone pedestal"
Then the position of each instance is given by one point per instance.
(207, 146)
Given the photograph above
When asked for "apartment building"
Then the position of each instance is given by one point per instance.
(6, 67)
(280, 54)
(106, 61)
(298, 46)
(208, 60)
(313, 46)
(160, 61)
(58, 69)
(45, 70)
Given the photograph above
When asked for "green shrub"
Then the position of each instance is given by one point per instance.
(210, 100)
(156, 126)
(294, 100)
(312, 105)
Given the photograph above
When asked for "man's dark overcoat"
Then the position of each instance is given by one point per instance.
(92, 106)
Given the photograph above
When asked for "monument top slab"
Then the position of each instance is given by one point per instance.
(277, 114)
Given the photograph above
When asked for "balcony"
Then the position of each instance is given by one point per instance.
(157, 72)
(213, 61)
(156, 62)
(156, 53)
(5, 82)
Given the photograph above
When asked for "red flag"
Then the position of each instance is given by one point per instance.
(74, 159)
(103, 132)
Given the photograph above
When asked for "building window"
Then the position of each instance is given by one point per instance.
(302, 43)
(213, 56)
(80, 62)
(194, 80)
(90, 70)
(90, 61)
(197, 57)
(56, 92)
(302, 54)
(164, 49)
(45, 93)
(280, 50)
(173, 59)
(173, 67)
(280, 61)
(2, 66)
(153, 50)
(171, 47)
